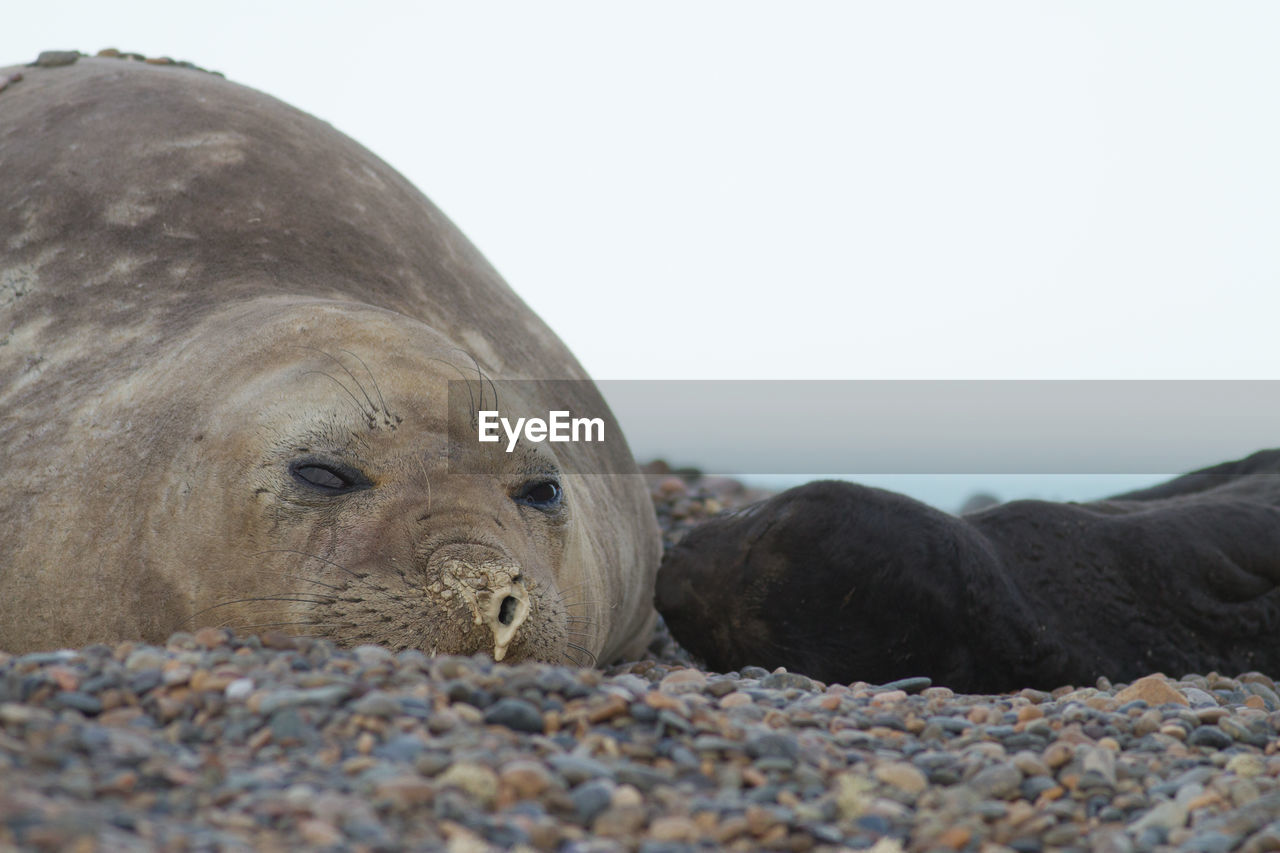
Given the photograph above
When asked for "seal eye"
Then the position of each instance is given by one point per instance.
(327, 478)
(541, 494)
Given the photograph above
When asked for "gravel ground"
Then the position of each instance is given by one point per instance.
(218, 742)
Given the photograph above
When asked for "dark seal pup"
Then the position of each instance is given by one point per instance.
(843, 582)
(226, 337)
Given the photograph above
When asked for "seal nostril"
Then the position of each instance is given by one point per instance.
(507, 610)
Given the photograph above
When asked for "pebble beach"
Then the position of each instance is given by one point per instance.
(221, 742)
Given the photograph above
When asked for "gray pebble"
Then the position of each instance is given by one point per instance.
(432, 763)
(1210, 736)
(327, 696)
(590, 799)
(715, 743)
(955, 725)
(56, 58)
(1062, 835)
(672, 720)
(372, 655)
(558, 680)
(1269, 697)
(406, 748)
(1164, 816)
(772, 745)
(287, 724)
(784, 680)
(377, 703)
(642, 777)
(1194, 776)
(1151, 837)
(414, 659)
(1033, 786)
(907, 685)
(1199, 698)
(999, 781)
(1101, 764)
(629, 686)
(576, 769)
(81, 702)
(515, 714)
(36, 659)
(1247, 819)
(1237, 730)
(144, 681)
(145, 659)
(1210, 842)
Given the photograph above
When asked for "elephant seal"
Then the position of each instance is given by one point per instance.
(844, 582)
(227, 335)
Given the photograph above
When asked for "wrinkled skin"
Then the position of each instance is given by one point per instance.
(214, 308)
(844, 582)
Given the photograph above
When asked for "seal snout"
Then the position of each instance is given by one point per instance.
(494, 591)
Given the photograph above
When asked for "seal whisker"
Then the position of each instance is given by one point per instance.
(357, 579)
(363, 414)
(323, 600)
(562, 598)
(482, 379)
(312, 598)
(347, 370)
(231, 622)
(302, 578)
(308, 555)
(426, 478)
(479, 376)
(262, 625)
(473, 410)
(381, 400)
(584, 650)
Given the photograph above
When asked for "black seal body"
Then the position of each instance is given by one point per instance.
(844, 582)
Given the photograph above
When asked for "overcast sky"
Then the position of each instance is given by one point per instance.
(815, 190)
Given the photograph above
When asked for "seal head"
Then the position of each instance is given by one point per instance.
(228, 336)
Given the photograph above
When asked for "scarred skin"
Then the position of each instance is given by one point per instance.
(844, 582)
(206, 297)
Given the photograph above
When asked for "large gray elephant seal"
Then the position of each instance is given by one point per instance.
(227, 333)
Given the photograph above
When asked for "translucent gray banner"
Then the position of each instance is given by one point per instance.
(854, 427)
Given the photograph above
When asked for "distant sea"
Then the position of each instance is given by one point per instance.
(949, 492)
